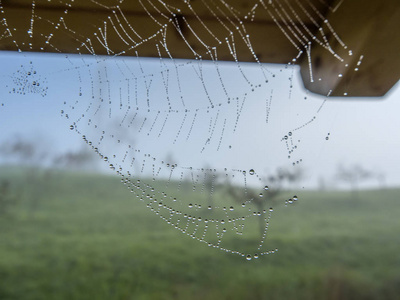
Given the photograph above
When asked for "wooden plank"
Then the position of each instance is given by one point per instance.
(56, 31)
(371, 65)
(77, 27)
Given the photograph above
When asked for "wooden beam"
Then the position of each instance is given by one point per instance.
(371, 59)
(199, 29)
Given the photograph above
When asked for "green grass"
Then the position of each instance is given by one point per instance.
(77, 236)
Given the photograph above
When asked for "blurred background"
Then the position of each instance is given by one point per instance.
(91, 146)
(71, 230)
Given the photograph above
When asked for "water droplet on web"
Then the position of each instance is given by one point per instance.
(173, 201)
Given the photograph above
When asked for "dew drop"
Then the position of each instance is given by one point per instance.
(248, 257)
(251, 172)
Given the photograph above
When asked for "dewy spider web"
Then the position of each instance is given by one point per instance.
(185, 135)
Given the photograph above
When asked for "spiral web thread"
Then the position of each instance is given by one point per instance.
(157, 122)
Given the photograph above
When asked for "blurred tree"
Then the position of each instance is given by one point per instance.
(210, 182)
(284, 178)
(39, 163)
(266, 198)
(24, 151)
(381, 177)
(82, 159)
(33, 154)
(7, 199)
(353, 175)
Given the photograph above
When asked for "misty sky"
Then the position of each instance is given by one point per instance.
(359, 131)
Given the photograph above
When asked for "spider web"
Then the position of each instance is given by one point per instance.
(196, 140)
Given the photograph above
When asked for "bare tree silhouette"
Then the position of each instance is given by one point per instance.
(353, 175)
(266, 197)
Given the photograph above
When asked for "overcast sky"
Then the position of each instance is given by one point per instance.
(360, 131)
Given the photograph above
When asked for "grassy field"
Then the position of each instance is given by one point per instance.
(77, 236)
